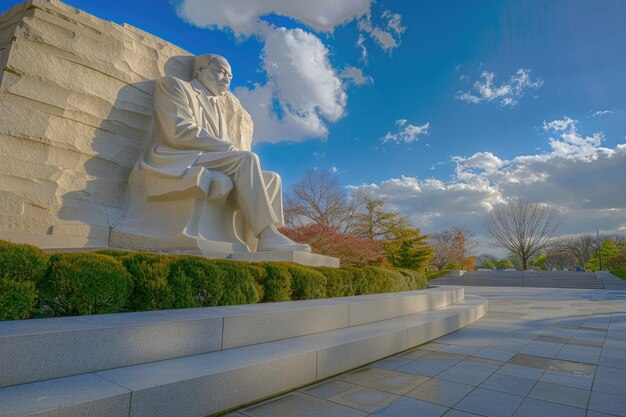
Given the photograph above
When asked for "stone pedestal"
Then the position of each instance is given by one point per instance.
(303, 258)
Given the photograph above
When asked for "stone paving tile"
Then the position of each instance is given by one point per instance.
(328, 388)
(460, 349)
(464, 375)
(415, 354)
(572, 367)
(610, 381)
(537, 408)
(433, 346)
(597, 414)
(543, 349)
(560, 394)
(410, 407)
(509, 384)
(384, 380)
(302, 405)
(392, 363)
(441, 392)
(576, 353)
(569, 379)
(432, 364)
(493, 353)
(489, 403)
(615, 361)
(364, 399)
(520, 371)
(459, 413)
(614, 405)
(531, 361)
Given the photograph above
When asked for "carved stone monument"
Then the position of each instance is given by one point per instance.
(85, 163)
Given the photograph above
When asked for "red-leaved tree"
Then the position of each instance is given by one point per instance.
(326, 240)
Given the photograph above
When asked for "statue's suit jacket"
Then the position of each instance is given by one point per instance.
(188, 124)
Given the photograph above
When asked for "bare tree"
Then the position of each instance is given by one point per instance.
(523, 228)
(454, 245)
(319, 198)
(582, 248)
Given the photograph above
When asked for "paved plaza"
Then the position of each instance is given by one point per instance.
(538, 352)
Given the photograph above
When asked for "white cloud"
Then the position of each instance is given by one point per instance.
(303, 92)
(507, 94)
(355, 76)
(334, 169)
(387, 37)
(602, 113)
(578, 176)
(564, 125)
(406, 132)
(245, 17)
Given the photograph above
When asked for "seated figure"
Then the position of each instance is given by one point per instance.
(192, 167)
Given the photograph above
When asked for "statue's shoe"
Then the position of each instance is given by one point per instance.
(277, 241)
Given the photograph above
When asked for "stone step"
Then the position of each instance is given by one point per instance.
(35, 350)
(203, 384)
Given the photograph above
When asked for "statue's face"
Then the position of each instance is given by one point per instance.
(216, 77)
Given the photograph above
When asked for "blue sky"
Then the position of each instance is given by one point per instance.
(444, 108)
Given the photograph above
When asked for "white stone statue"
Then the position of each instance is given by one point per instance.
(194, 166)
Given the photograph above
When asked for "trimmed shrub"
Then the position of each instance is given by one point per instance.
(195, 282)
(150, 274)
(277, 283)
(17, 299)
(415, 280)
(22, 262)
(338, 281)
(85, 283)
(306, 283)
(372, 280)
(240, 285)
(259, 274)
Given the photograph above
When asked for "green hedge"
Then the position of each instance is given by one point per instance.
(22, 262)
(114, 281)
(85, 283)
(17, 299)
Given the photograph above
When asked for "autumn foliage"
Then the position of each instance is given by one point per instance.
(328, 241)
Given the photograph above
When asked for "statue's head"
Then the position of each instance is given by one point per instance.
(213, 72)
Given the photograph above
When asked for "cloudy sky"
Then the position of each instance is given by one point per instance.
(443, 108)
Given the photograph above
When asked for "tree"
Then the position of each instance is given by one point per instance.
(582, 248)
(523, 228)
(376, 224)
(540, 261)
(408, 249)
(486, 261)
(319, 198)
(456, 245)
(504, 264)
(326, 240)
(487, 264)
(607, 251)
